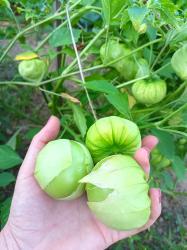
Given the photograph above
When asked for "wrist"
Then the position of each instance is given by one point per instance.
(7, 241)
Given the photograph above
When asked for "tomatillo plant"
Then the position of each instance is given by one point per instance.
(158, 160)
(118, 193)
(32, 70)
(112, 135)
(112, 50)
(59, 167)
(179, 62)
(149, 91)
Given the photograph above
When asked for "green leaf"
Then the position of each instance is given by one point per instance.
(13, 140)
(111, 9)
(179, 168)
(106, 10)
(167, 181)
(166, 143)
(8, 157)
(4, 211)
(175, 36)
(120, 102)
(102, 86)
(5, 3)
(79, 119)
(31, 133)
(137, 15)
(6, 178)
(63, 37)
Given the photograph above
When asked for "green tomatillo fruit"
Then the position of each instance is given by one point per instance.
(59, 167)
(112, 135)
(143, 68)
(113, 50)
(149, 92)
(118, 193)
(32, 70)
(158, 160)
(179, 62)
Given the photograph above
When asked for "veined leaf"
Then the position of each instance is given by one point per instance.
(8, 157)
(166, 143)
(120, 102)
(79, 119)
(102, 86)
(6, 178)
(179, 167)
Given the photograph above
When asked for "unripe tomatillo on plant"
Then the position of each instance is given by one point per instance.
(113, 50)
(117, 193)
(149, 91)
(158, 160)
(143, 68)
(112, 135)
(59, 167)
(32, 70)
(179, 62)
(141, 28)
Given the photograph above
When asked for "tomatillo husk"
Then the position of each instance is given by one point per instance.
(59, 167)
(112, 135)
(117, 193)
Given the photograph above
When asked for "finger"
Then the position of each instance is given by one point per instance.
(149, 143)
(156, 207)
(49, 132)
(142, 158)
(155, 196)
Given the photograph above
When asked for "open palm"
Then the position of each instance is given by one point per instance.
(38, 222)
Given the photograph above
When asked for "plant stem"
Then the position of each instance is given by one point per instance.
(172, 96)
(158, 57)
(61, 25)
(161, 68)
(79, 63)
(172, 114)
(83, 51)
(15, 19)
(172, 131)
(19, 83)
(132, 81)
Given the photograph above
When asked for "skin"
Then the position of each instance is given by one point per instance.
(38, 222)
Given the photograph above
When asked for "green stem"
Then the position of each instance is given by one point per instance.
(19, 83)
(172, 131)
(15, 19)
(150, 125)
(79, 62)
(158, 57)
(134, 51)
(32, 27)
(83, 51)
(171, 115)
(84, 70)
(173, 194)
(61, 25)
(174, 94)
(161, 68)
(132, 81)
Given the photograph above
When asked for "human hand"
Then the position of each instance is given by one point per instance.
(38, 222)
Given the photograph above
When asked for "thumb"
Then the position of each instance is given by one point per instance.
(48, 132)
